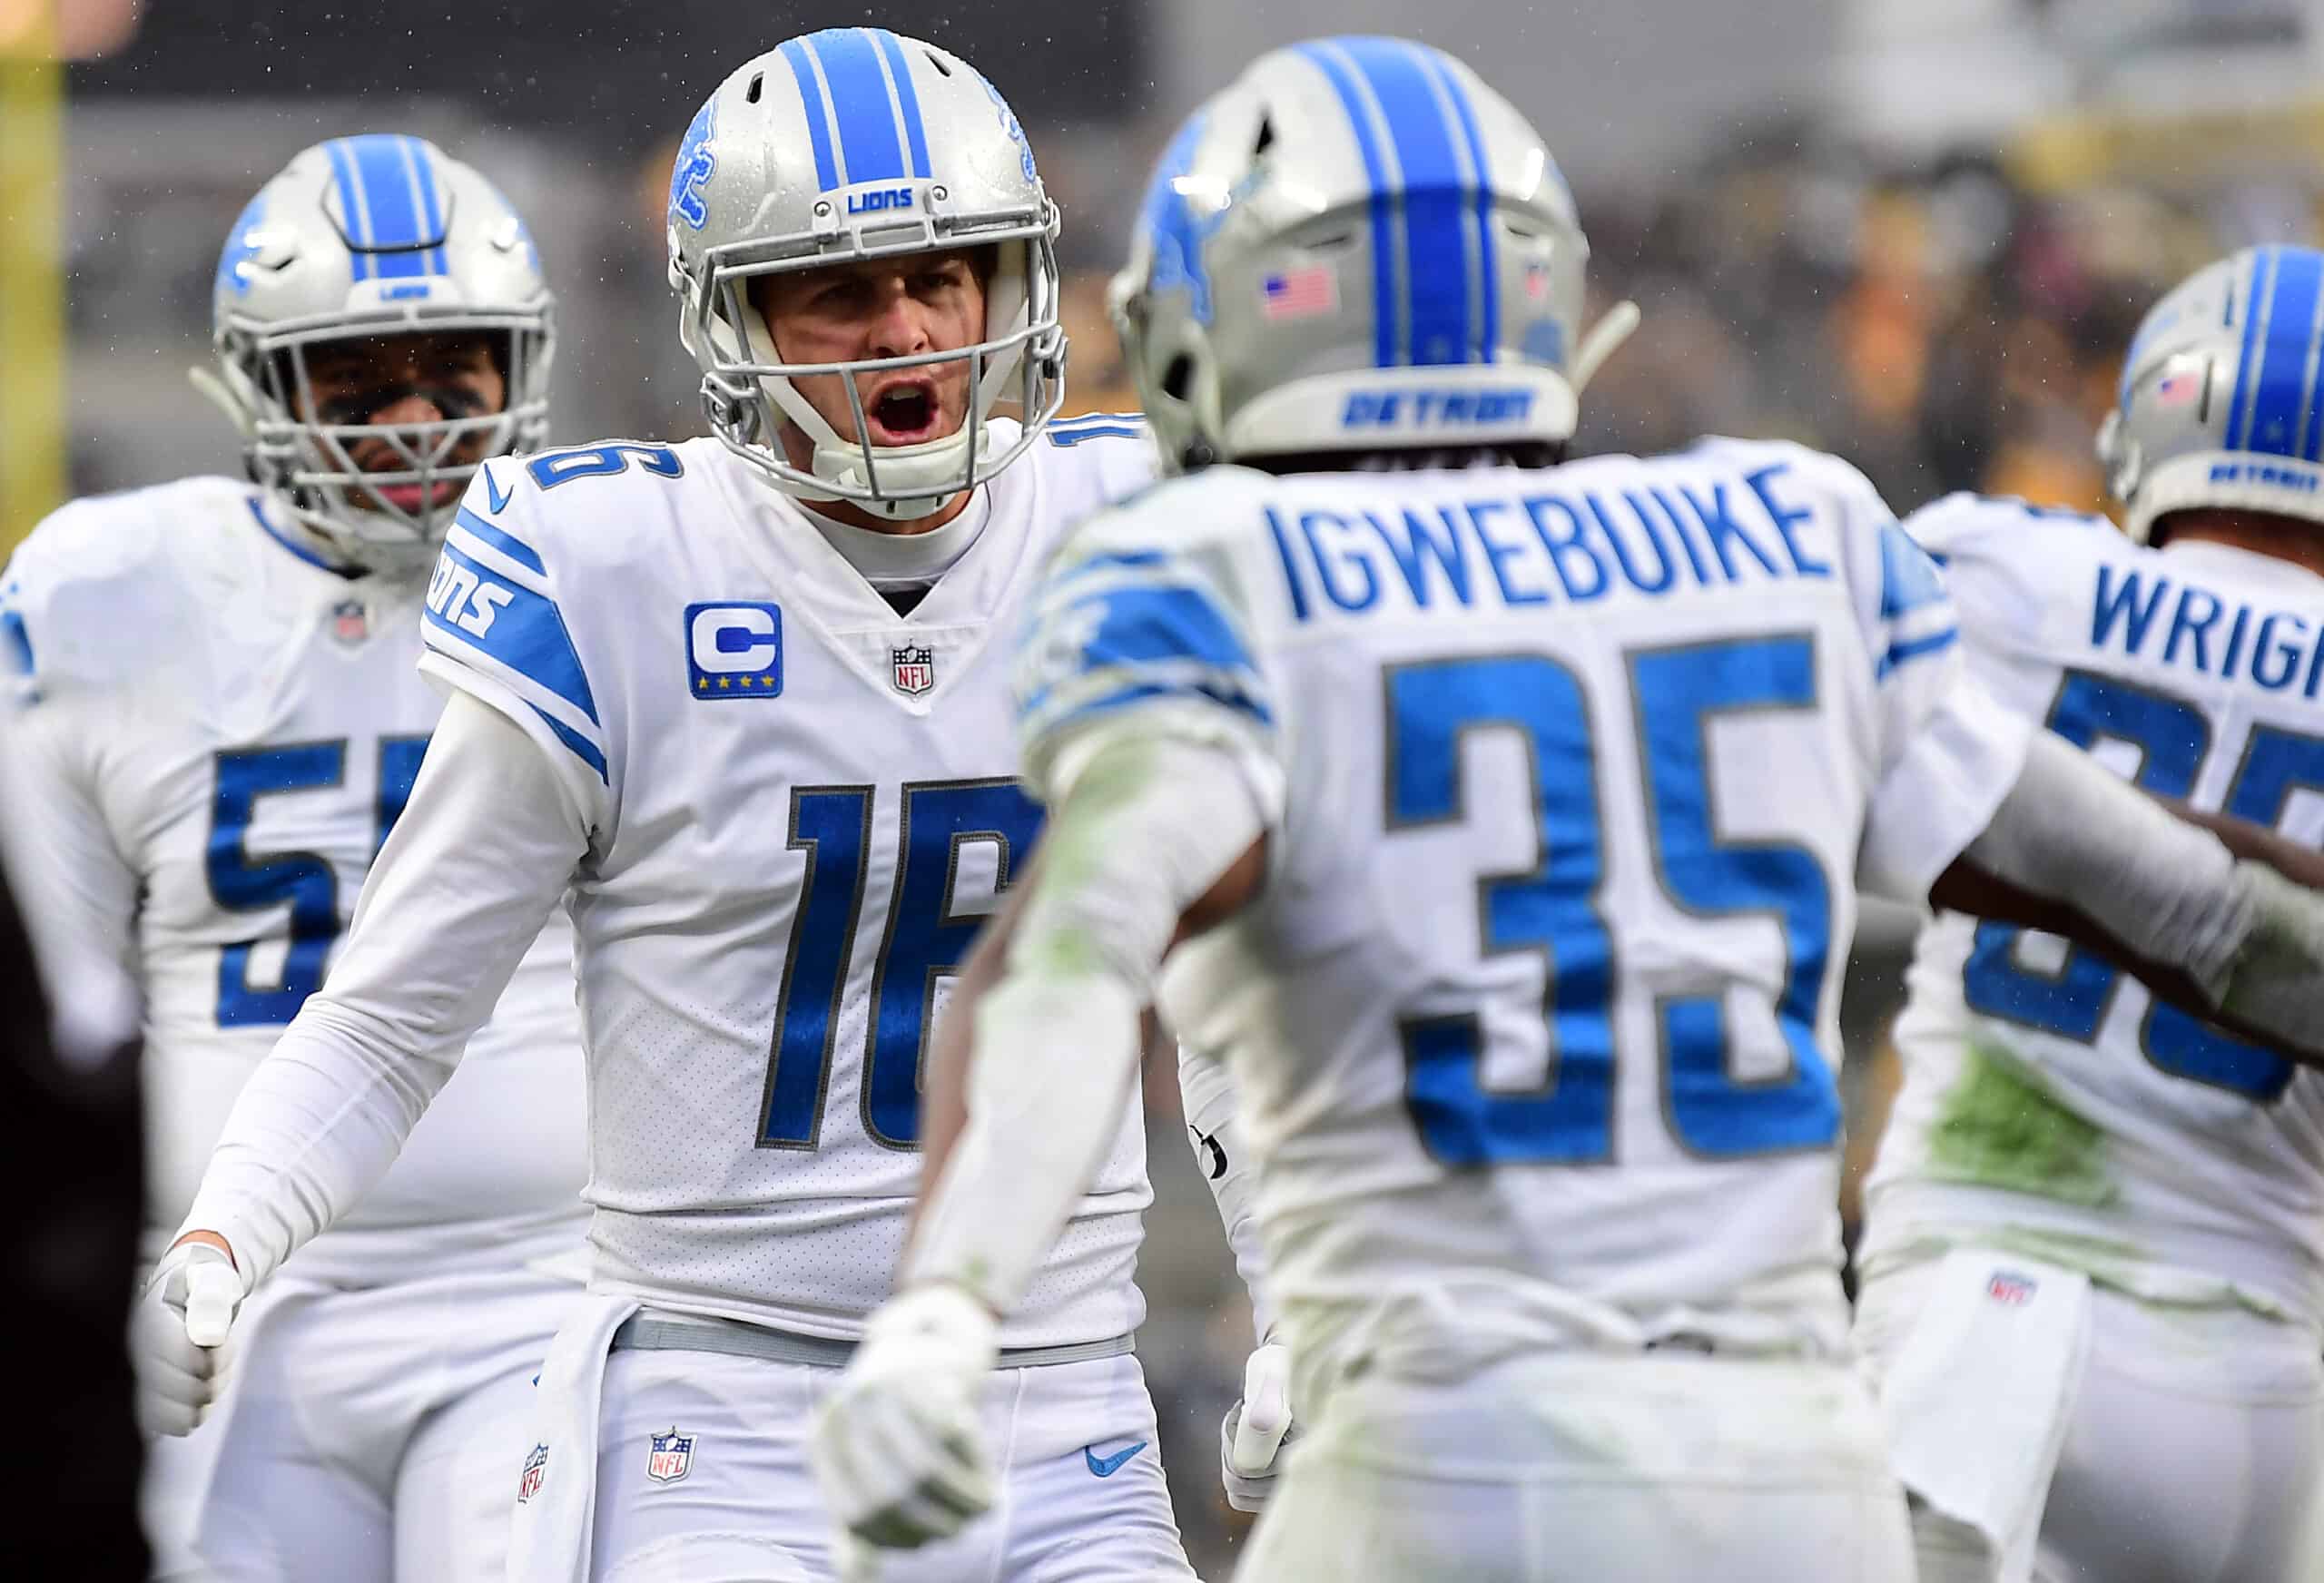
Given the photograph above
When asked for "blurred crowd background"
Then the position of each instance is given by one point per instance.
(1917, 233)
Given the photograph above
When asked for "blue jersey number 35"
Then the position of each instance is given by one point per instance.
(1553, 909)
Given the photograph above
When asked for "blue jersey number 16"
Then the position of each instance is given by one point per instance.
(924, 940)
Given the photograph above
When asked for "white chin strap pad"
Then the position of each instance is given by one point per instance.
(914, 480)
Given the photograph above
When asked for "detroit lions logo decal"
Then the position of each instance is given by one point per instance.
(697, 158)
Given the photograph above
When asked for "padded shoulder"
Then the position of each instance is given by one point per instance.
(106, 588)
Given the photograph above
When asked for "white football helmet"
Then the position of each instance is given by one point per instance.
(1358, 246)
(2220, 402)
(362, 236)
(856, 143)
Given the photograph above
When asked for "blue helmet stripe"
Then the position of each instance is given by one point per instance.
(351, 207)
(2311, 444)
(390, 195)
(1481, 176)
(2284, 353)
(1386, 293)
(907, 98)
(2254, 307)
(431, 209)
(869, 148)
(1435, 198)
(818, 111)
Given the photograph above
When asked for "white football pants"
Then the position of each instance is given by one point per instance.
(1667, 1467)
(366, 1436)
(2192, 1450)
(1082, 1498)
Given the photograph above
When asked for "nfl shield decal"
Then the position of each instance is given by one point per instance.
(670, 1458)
(351, 621)
(528, 1483)
(2011, 1289)
(915, 671)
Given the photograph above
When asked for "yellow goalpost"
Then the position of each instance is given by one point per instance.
(32, 287)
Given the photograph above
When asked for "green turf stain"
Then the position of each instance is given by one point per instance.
(1076, 848)
(2001, 1128)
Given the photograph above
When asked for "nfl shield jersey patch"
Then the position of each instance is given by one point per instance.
(670, 1458)
(914, 672)
(2010, 1288)
(528, 1483)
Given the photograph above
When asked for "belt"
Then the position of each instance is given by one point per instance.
(652, 1332)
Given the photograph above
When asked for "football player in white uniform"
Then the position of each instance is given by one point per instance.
(746, 699)
(221, 724)
(2096, 1217)
(1509, 818)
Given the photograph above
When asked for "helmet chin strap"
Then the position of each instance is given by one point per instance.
(236, 410)
(935, 466)
(939, 461)
(1604, 338)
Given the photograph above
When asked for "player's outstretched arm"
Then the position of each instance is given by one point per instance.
(1155, 839)
(483, 850)
(2222, 918)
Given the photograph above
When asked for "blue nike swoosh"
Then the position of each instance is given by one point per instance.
(492, 491)
(1106, 1467)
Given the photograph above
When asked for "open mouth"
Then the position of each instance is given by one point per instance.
(415, 497)
(904, 414)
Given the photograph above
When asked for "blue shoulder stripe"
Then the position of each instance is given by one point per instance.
(581, 746)
(1907, 649)
(1908, 579)
(474, 608)
(1142, 641)
(516, 549)
(1145, 691)
(1142, 623)
(1064, 438)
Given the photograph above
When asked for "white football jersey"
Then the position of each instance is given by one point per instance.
(2047, 1099)
(221, 729)
(802, 804)
(1577, 771)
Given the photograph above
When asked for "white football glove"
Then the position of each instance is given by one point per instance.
(899, 1447)
(1256, 1428)
(183, 1317)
